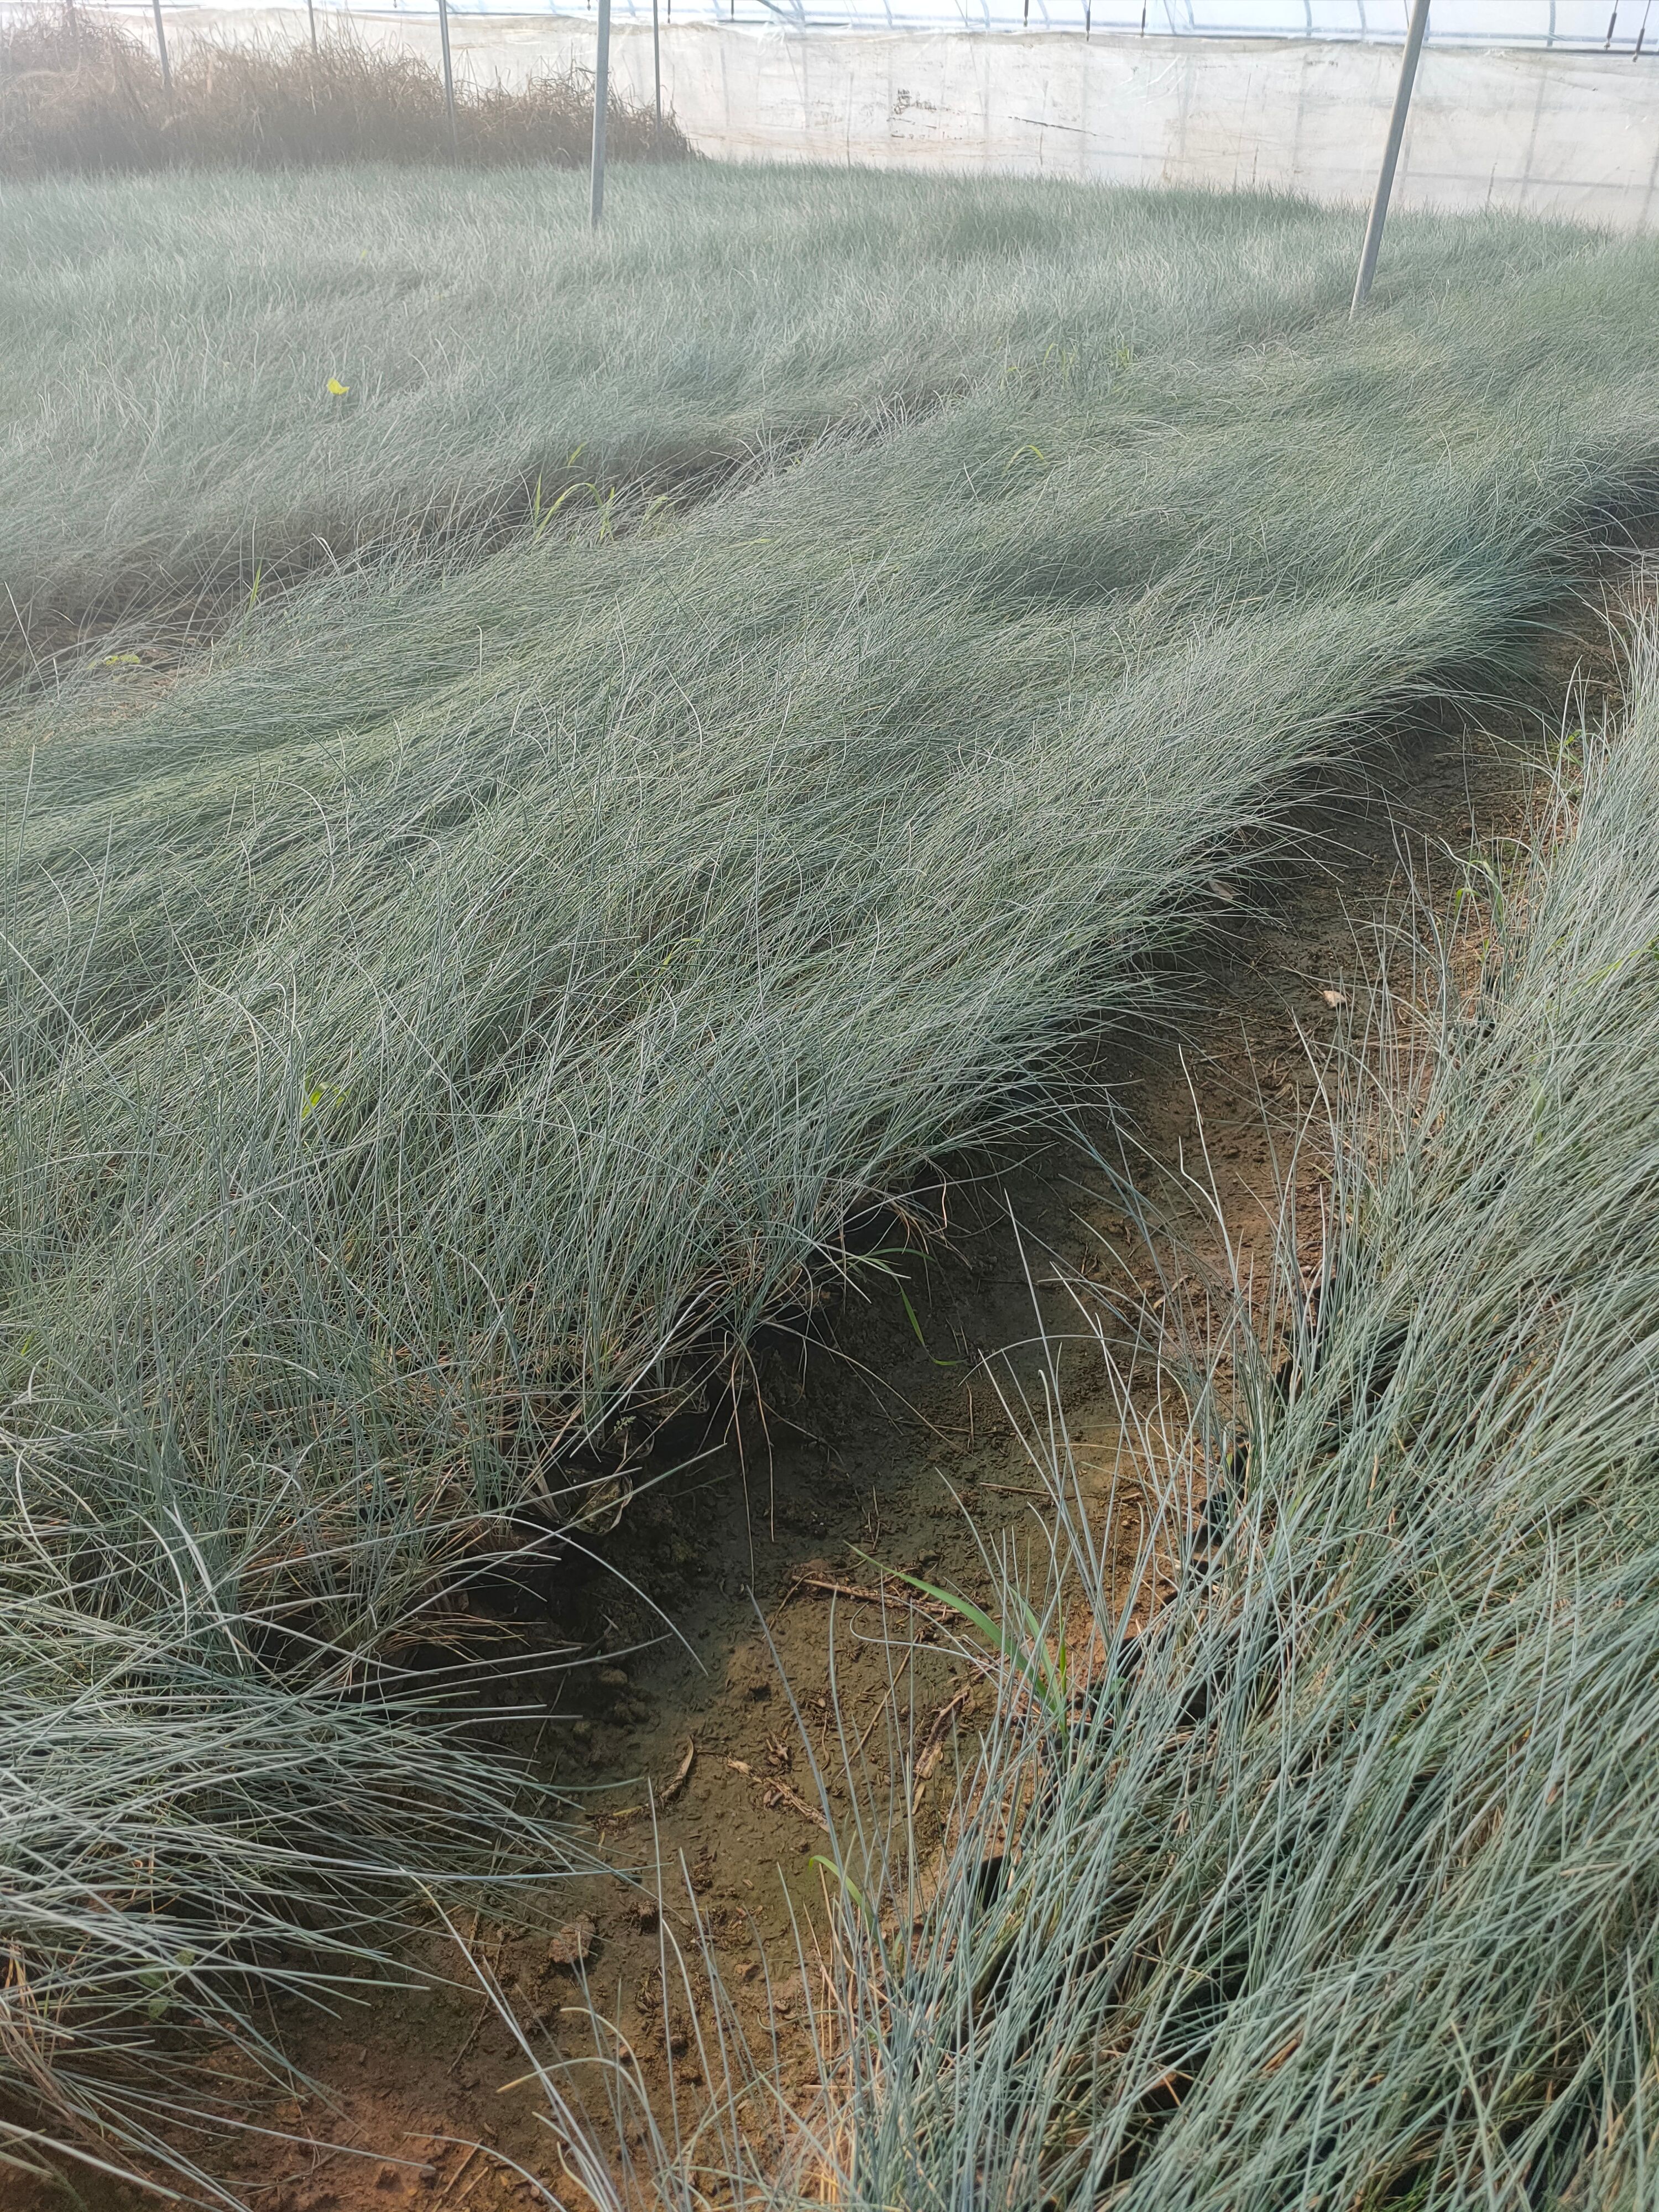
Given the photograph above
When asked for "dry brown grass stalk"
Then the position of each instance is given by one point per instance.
(79, 95)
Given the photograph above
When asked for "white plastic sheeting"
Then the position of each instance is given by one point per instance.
(1571, 134)
(1628, 28)
(1574, 26)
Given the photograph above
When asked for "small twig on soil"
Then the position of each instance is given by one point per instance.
(932, 1744)
(472, 2185)
(779, 1793)
(682, 1775)
(826, 1586)
(618, 1818)
(472, 2035)
(459, 2171)
(888, 1695)
(775, 1794)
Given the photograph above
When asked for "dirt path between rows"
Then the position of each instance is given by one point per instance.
(882, 1443)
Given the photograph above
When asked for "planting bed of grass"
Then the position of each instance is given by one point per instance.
(167, 347)
(450, 1013)
(1334, 1882)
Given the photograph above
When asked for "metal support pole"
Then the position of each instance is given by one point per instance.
(311, 11)
(656, 69)
(449, 74)
(1402, 101)
(601, 101)
(161, 47)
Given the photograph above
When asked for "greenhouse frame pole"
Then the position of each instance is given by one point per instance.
(162, 45)
(311, 16)
(449, 74)
(656, 72)
(1402, 101)
(601, 100)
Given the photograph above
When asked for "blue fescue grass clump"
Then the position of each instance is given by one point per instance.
(1331, 1878)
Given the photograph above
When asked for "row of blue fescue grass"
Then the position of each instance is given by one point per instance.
(1330, 1877)
(448, 1016)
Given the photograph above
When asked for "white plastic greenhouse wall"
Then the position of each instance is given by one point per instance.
(1548, 107)
(1620, 28)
